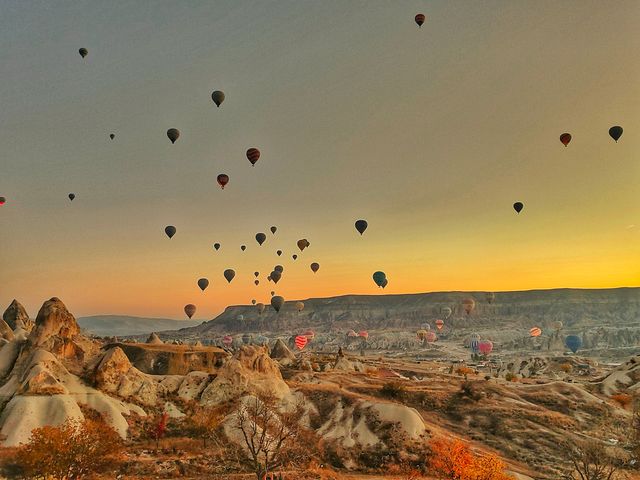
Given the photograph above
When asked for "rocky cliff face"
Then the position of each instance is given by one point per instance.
(16, 317)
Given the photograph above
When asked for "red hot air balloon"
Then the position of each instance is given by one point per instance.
(223, 179)
(364, 334)
(485, 347)
(565, 138)
(253, 154)
(227, 340)
(439, 324)
(431, 336)
(301, 341)
(420, 18)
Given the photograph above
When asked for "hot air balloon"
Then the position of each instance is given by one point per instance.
(218, 97)
(419, 18)
(485, 347)
(273, 229)
(309, 334)
(361, 226)
(299, 306)
(261, 308)
(256, 274)
(294, 256)
(83, 52)
(352, 334)
(257, 282)
(227, 340)
(253, 154)
(272, 293)
(229, 274)
(314, 267)
(535, 332)
(223, 179)
(385, 282)
(216, 246)
(302, 244)
(518, 206)
(565, 138)
(190, 309)
(253, 302)
(279, 268)
(260, 238)
(439, 324)
(363, 334)
(3, 200)
(275, 276)
(446, 312)
(490, 296)
(379, 278)
(277, 302)
(173, 134)
(112, 136)
(468, 304)
(246, 338)
(421, 334)
(425, 326)
(170, 231)
(557, 325)
(301, 341)
(279, 252)
(243, 247)
(203, 283)
(268, 278)
(573, 343)
(72, 196)
(615, 133)
(474, 344)
(431, 337)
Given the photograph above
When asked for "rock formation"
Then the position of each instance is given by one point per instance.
(16, 316)
(282, 354)
(154, 339)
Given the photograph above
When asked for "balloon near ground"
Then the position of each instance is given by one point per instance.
(301, 341)
(3, 200)
(170, 231)
(190, 309)
(468, 304)
(446, 312)
(439, 324)
(299, 306)
(227, 340)
(535, 332)
(485, 347)
(573, 342)
(277, 302)
(490, 296)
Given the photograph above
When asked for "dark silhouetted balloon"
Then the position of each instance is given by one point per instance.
(112, 136)
(277, 302)
(276, 276)
(573, 343)
(361, 226)
(439, 324)
(385, 282)
(229, 274)
(272, 293)
(256, 274)
(279, 252)
(3, 200)
(253, 155)
(260, 308)
(243, 247)
(273, 229)
(203, 283)
(294, 256)
(260, 238)
(173, 134)
(420, 18)
(72, 196)
(615, 133)
(216, 246)
(565, 138)
(257, 282)
(253, 302)
(279, 268)
(518, 206)
(218, 97)
(83, 52)
(223, 180)
(302, 244)
(379, 278)
(170, 231)
(314, 267)
(190, 309)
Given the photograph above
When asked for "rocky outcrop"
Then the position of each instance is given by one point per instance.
(154, 339)
(282, 354)
(55, 330)
(251, 370)
(16, 316)
(5, 331)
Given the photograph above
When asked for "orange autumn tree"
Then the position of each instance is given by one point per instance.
(454, 460)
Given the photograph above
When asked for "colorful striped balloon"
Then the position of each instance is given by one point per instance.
(535, 332)
(364, 334)
(301, 341)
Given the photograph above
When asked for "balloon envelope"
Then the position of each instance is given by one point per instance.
(243, 247)
(275, 276)
(485, 347)
(253, 154)
(279, 268)
(260, 238)
(379, 278)
(218, 97)
(301, 341)
(227, 340)
(273, 229)
(3, 200)
(190, 309)
(490, 296)
(518, 206)
(302, 244)
(446, 311)
(615, 132)
(279, 252)
(439, 324)
(83, 52)
(573, 343)
(361, 226)
(72, 196)
(261, 308)
(535, 332)
(419, 18)
(468, 304)
(173, 134)
(314, 267)
(364, 334)
(203, 283)
(277, 302)
(299, 306)
(216, 246)
(223, 179)
(229, 274)
(112, 136)
(565, 138)
(170, 231)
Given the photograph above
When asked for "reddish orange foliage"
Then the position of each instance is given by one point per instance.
(454, 460)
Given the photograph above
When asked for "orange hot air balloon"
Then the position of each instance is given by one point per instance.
(439, 324)
(223, 179)
(468, 304)
(535, 332)
(301, 341)
(253, 154)
(565, 138)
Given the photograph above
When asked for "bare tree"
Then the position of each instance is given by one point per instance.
(269, 435)
(591, 460)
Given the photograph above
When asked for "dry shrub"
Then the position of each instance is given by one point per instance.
(453, 459)
(394, 390)
(566, 367)
(464, 371)
(511, 377)
(622, 399)
(71, 450)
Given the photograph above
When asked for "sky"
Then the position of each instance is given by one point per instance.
(430, 134)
